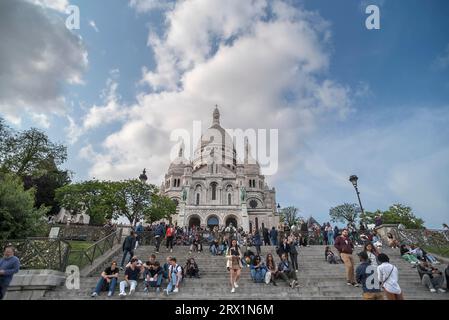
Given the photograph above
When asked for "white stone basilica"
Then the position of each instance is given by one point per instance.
(216, 188)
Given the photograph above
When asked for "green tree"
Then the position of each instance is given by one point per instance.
(19, 218)
(346, 213)
(162, 207)
(289, 215)
(369, 217)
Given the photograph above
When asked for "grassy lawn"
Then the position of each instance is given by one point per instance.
(441, 251)
(77, 246)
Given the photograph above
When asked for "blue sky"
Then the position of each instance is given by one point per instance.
(346, 100)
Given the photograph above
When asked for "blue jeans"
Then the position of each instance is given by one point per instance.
(258, 275)
(213, 250)
(102, 281)
(125, 253)
(330, 239)
(156, 283)
(274, 241)
(172, 284)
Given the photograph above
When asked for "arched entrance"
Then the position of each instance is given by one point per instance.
(231, 219)
(194, 221)
(212, 221)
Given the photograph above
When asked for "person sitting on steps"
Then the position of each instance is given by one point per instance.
(286, 272)
(108, 280)
(131, 276)
(192, 269)
(407, 255)
(258, 270)
(153, 276)
(330, 257)
(431, 277)
(271, 268)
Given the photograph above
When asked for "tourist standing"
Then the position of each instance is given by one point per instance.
(234, 264)
(169, 235)
(158, 235)
(274, 236)
(388, 275)
(364, 274)
(372, 253)
(128, 247)
(345, 247)
(284, 248)
(293, 252)
(330, 234)
(266, 237)
(9, 265)
(257, 241)
(107, 279)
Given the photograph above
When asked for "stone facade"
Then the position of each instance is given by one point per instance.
(216, 187)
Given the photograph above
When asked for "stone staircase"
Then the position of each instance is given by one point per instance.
(318, 280)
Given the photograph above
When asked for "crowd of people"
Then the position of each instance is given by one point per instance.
(375, 274)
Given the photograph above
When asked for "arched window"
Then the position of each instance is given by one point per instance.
(214, 190)
(197, 199)
(229, 199)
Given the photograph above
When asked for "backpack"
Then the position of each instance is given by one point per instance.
(169, 232)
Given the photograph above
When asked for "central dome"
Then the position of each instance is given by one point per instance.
(213, 143)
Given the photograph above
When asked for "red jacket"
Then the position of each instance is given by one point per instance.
(344, 245)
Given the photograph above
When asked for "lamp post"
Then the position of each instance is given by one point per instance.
(353, 180)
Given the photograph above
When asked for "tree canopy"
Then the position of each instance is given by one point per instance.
(396, 214)
(346, 213)
(289, 215)
(18, 215)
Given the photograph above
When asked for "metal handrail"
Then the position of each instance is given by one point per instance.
(41, 253)
(91, 253)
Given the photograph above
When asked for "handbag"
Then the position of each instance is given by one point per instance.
(268, 277)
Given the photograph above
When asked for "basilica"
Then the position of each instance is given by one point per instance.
(218, 187)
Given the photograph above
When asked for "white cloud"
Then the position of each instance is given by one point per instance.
(149, 5)
(93, 25)
(234, 54)
(41, 119)
(58, 5)
(39, 54)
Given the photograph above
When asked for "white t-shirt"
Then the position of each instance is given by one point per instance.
(391, 284)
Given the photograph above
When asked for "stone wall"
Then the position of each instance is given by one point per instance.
(32, 284)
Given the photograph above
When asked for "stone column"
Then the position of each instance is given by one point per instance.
(181, 215)
(245, 218)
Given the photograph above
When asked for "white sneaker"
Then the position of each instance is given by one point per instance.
(233, 290)
(110, 294)
(176, 290)
(296, 270)
(122, 294)
(236, 285)
(131, 292)
(433, 290)
(442, 290)
(94, 294)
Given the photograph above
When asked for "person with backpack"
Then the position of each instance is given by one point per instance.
(175, 276)
(169, 235)
(364, 276)
(388, 276)
(128, 247)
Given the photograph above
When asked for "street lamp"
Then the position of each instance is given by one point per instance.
(143, 176)
(353, 179)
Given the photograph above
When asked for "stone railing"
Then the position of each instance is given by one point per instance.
(82, 232)
(41, 253)
(32, 284)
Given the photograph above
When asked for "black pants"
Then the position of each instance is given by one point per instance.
(266, 242)
(447, 277)
(158, 243)
(3, 288)
(286, 276)
(169, 242)
(258, 250)
(294, 259)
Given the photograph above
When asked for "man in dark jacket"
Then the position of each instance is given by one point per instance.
(128, 247)
(345, 247)
(266, 237)
(284, 248)
(159, 233)
(364, 276)
(274, 236)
